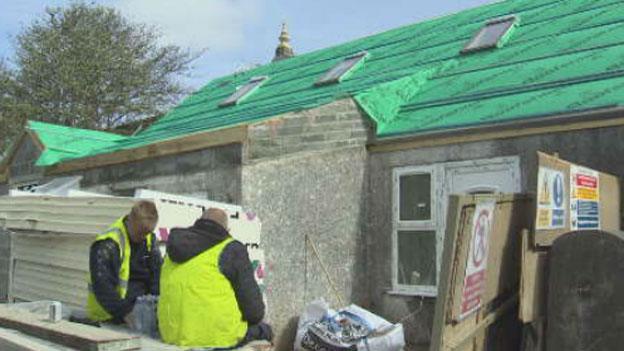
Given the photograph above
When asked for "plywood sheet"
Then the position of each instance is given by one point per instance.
(499, 297)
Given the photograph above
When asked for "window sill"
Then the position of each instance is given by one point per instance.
(412, 293)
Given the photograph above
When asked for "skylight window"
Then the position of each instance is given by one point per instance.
(494, 34)
(241, 93)
(341, 70)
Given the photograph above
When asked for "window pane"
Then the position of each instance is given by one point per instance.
(336, 72)
(415, 197)
(490, 35)
(417, 258)
(242, 91)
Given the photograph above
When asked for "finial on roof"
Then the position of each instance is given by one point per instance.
(284, 50)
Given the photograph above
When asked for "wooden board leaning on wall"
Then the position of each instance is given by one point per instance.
(455, 328)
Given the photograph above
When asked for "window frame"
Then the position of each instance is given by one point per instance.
(258, 81)
(362, 55)
(419, 225)
(442, 177)
(471, 46)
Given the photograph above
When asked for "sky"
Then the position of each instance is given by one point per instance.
(233, 34)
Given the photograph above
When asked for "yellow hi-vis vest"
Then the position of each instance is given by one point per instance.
(119, 234)
(197, 305)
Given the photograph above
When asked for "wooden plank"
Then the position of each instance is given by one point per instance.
(532, 282)
(187, 143)
(455, 342)
(74, 335)
(610, 215)
(11, 340)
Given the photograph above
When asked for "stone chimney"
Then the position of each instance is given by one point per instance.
(284, 50)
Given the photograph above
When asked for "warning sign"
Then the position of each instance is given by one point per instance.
(476, 265)
(584, 198)
(551, 194)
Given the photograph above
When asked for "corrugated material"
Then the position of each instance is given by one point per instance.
(564, 56)
(51, 237)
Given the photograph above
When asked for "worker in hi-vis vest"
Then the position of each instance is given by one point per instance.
(208, 293)
(124, 263)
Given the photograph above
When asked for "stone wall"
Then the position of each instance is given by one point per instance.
(212, 174)
(336, 125)
(600, 149)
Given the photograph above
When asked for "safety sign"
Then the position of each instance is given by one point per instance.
(584, 198)
(476, 265)
(551, 195)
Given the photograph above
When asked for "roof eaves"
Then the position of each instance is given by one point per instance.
(518, 126)
(186, 143)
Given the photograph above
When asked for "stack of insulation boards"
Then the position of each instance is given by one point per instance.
(50, 239)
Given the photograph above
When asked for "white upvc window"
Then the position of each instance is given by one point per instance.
(416, 227)
(419, 200)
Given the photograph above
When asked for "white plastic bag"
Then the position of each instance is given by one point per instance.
(318, 321)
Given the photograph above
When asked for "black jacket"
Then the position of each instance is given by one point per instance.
(186, 243)
(104, 263)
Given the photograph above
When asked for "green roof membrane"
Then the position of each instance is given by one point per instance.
(415, 80)
(62, 142)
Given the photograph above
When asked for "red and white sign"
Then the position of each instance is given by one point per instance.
(476, 265)
(584, 198)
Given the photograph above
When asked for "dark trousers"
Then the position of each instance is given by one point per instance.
(260, 331)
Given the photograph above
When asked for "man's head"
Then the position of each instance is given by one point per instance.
(216, 215)
(142, 220)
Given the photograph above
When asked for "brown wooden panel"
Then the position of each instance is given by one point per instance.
(499, 299)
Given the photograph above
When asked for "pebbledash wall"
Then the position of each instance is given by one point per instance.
(311, 179)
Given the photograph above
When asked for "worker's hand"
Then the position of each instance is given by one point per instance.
(130, 321)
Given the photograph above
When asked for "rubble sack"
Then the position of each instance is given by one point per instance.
(349, 329)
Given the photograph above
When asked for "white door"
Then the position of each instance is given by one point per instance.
(500, 175)
(497, 175)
